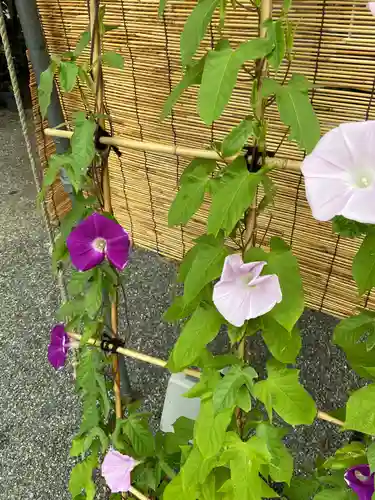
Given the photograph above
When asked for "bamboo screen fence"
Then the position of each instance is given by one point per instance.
(334, 48)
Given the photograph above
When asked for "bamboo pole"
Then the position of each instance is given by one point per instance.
(99, 107)
(139, 356)
(156, 147)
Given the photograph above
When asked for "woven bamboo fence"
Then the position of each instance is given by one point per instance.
(334, 48)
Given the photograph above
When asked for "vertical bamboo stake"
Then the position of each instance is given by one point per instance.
(99, 108)
(265, 12)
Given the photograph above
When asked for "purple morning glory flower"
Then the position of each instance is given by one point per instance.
(361, 481)
(58, 347)
(95, 238)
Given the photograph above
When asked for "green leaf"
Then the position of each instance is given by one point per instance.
(55, 164)
(349, 455)
(336, 494)
(355, 336)
(281, 466)
(275, 31)
(349, 228)
(45, 88)
(89, 331)
(283, 345)
(287, 5)
(82, 143)
(192, 76)
(96, 432)
(207, 266)
(270, 86)
(236, 139)
(162, 5)
(81, 478)
(243, 399)
(220, 75)
(225, 393)
(371, 457)
(201, 328)
(113, 60)
(234, 196)
(287, 396)
(140, 436)
(94, 297)
(191, 194)
(68, 75)
(195, 28)
(78, 282)
(364, 265)
(360, 414)
(300, 82)
(245, 477)
(83, 42)
(302, 488)
(282, 262)
(297, 113)
(179, 309)
(210, 429)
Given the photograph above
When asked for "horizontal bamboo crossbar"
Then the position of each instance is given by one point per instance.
(155, 147)
(192, 373)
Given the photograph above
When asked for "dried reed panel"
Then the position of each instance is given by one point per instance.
(335, 52)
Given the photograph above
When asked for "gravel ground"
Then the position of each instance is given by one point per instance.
(39, 411)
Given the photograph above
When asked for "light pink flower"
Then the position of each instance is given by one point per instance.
(340, 173)
(116, 469)
(242, 293)
(371, 6)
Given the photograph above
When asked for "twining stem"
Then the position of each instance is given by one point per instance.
(99, 108)
(264, 12)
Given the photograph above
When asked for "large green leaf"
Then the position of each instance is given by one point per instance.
(139, 435)
(45, 88)
(234, 195)
(297, 113)
(282, 262)
(355, 336)
(220, 75)
(283, 345)
(201, 328)
(287, 396)
(275, 31)
(225, 393)
(210, 429)
(192, 76)
(245, 477)
(81, 478)
(349, 455)
(195, 28)
(179, 309)
(218, 81)
(82, 143)
(68, 75)
(207, 266)
(336, 494)
(191, 193)
(360, 410)
(281, 466)
(236, 139)
(302, 488)
(364, 264)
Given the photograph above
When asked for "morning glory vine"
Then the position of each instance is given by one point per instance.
(234, 449)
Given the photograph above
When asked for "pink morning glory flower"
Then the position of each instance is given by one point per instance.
(58, 347)
(116, 469)
(242, 294)
(371, 6)
(95, 238)
(361, 481)
(340, 173)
